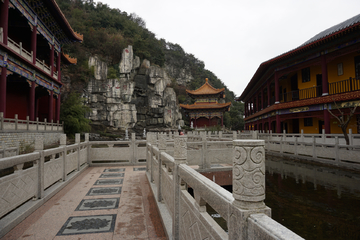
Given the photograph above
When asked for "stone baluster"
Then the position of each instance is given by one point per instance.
(88, 147)
(180, 156)
(234, 135)
(2, 120)
(39, 147)
(63, 145)
(133, 148)
(16, 122)
(248, 185)
(162, 148)
(77, 141)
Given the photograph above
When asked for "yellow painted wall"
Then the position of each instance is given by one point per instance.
(335, 129)
(348, 68)
(314, 70)
(311, 129)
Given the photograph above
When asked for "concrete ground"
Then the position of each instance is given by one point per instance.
(101, 203)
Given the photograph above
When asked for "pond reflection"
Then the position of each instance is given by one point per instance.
(313, 201)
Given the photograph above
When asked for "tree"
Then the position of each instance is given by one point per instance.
(73, 115)
(343, 120)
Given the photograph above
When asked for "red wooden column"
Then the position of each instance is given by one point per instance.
(51, 106)
(222, 120)
(278, 124)
(34, 41)
(58, 103)
(32, 102)
(277, 88)
(4, 20)
(269, 123)
(195, 122)
(324, 74)
(327, 121)
(52, 61)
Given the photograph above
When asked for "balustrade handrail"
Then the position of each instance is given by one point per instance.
(18, 124)
(17, 47)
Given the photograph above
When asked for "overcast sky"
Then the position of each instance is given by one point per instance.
(233, 37)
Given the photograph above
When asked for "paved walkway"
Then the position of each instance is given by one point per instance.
(101, 203)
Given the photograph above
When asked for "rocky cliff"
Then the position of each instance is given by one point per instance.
(140, 98)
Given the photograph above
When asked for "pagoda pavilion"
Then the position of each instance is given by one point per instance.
(209, 107)
(32, 33)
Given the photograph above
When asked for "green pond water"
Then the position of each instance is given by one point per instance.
(313, 201)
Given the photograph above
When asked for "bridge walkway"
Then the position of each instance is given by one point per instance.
(101, 203)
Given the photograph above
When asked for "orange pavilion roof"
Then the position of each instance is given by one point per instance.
(69, 59)
(211, 105)
(205, 89)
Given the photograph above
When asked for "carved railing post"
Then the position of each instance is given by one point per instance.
(249, 173)
(151, 142)
(133, 148)
(234, 135)
(162, 148)
(248, 185)
(39, 147)
(88, 146)
(203, 151)
(63, 145)
(77, 141)
(180, 156)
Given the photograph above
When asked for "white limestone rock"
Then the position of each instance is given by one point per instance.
(100, 68)
(126, 63)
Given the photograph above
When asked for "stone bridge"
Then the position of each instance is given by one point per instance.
(31, 182)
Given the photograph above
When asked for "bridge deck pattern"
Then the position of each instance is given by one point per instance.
(121, 207)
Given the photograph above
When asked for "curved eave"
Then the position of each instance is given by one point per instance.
(301, 49)
(68, 59)
(70, 33)
(205, 106)
(205, 89)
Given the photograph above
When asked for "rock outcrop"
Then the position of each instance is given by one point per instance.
(139, 98)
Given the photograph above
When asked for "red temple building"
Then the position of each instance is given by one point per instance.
(32, 33)
(209, 107)
(297, 90)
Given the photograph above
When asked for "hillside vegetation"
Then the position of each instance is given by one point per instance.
(108, 31)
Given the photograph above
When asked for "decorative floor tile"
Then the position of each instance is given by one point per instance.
(98, 204)
(109, 181)
(88, 224)
(140, 169)
(111, 175)
(115, 170)
(104, 191)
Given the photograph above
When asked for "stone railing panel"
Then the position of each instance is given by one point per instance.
(216, 196)
(195, 224)
(71, 158)
(53, 170)
(17, 188)
(167, 190)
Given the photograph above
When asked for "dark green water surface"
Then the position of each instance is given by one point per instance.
(313, 201)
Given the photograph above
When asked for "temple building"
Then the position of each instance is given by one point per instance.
(32, 33)
(209, 107)
(297, 90)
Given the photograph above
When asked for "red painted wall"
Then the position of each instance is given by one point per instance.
(201, 122)
(16, 104)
